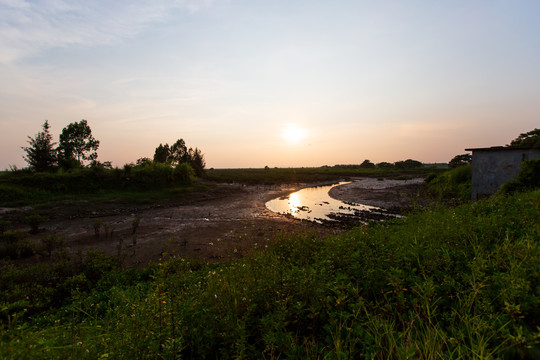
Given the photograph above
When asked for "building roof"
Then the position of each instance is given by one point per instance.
(503, 148)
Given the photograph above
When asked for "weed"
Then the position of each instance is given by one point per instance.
(135, 224)
(446, 283)
(97, 223)
(51, 243)
(34, 220)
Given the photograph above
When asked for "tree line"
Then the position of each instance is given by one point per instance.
(78, 148)
(76, 145)
(403, 164)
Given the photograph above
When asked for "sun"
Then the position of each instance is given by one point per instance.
(293, 134)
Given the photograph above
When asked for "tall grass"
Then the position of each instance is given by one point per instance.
(20, 188)
(453, 185)
(455, 283)
(295, 175)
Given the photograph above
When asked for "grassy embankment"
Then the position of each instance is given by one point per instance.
(152, 182)
(130, 184)
(309, 175)
(446, 283)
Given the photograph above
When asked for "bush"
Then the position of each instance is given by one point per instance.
(443, 284)
(33, 220)
(10, 194)
(184, 173)
(51, 243)
(453, 185)
(15, 245)
(528, 178)
(24, 187)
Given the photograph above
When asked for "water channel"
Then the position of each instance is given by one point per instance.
(314, 204)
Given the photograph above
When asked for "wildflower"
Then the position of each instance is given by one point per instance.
(211, 243)
(215, 295)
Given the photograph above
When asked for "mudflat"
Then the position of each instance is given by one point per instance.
(223, 222)
(390, 194)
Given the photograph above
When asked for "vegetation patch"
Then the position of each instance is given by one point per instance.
(446, 283)
(453, 186)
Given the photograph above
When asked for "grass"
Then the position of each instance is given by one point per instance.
(453, 186)
(455, 283)
(295, 175)
(147, 183)
(138, 184)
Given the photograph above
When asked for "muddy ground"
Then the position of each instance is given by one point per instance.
(224, 222)
(398, 196)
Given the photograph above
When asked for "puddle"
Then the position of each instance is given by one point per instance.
(314, 204)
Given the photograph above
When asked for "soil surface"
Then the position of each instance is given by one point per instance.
(226, 221)
(396, 196)
(223, 222)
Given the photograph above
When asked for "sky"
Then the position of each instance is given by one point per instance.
(279, 83)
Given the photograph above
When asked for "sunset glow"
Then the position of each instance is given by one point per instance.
(294, 134)
(383, 81)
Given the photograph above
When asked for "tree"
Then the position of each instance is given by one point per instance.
(161, 154)
(460, 160)
(144, 161)
(367, 165)
(77, 144)
(41, 155)
(530, 138)
(178, 153)
(385, 165)
(196, 160)
(408, 164)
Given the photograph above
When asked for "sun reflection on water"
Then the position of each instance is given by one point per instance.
(294, 203)
(314, 203)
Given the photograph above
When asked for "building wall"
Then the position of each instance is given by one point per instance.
(491, 169)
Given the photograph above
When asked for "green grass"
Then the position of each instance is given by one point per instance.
(142, 184)
(452, 186)
(134, 184)
(454, 283)
(295, 175)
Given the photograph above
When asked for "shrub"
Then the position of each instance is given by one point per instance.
(34, 220)
(528, 178)
(184, 173)
(453, 185)
(10, 194)
(51, 243)
(15, 245)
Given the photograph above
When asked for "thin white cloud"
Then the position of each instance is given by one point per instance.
(28, 27)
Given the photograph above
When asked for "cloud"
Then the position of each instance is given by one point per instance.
(28, 27)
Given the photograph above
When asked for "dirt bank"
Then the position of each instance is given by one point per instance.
(394, 195)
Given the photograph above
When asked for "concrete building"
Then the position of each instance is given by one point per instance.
(494, 166)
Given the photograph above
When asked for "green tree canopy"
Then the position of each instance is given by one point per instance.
(408, 164)
(367, 164)
(161, 154)
(178, 153)
(77, 143)
(385, 165)
(196, 160)
(530, 138)
(460, 160)
(41, 154)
